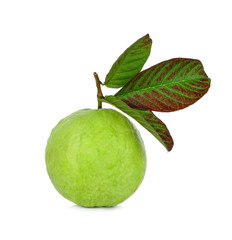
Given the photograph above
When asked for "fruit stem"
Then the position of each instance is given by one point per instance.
(99, 91)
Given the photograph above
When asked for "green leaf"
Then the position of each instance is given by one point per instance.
(146, 118)
(168, 86)
(129, 63)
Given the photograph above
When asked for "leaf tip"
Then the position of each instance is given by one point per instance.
(147, 37)
(170, 147)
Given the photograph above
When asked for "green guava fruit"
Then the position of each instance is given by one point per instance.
(95, 158)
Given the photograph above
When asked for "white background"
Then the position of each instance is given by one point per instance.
(48, 53)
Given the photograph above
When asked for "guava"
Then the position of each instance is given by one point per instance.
(95, 158)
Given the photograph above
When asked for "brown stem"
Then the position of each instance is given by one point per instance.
(99, 91)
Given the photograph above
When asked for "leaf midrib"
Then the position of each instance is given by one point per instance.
(159, 86)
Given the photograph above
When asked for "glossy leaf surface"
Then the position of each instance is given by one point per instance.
(168, 86)
(129, 63)
(146, 118)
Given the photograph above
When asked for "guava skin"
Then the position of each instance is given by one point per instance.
(95, 158)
